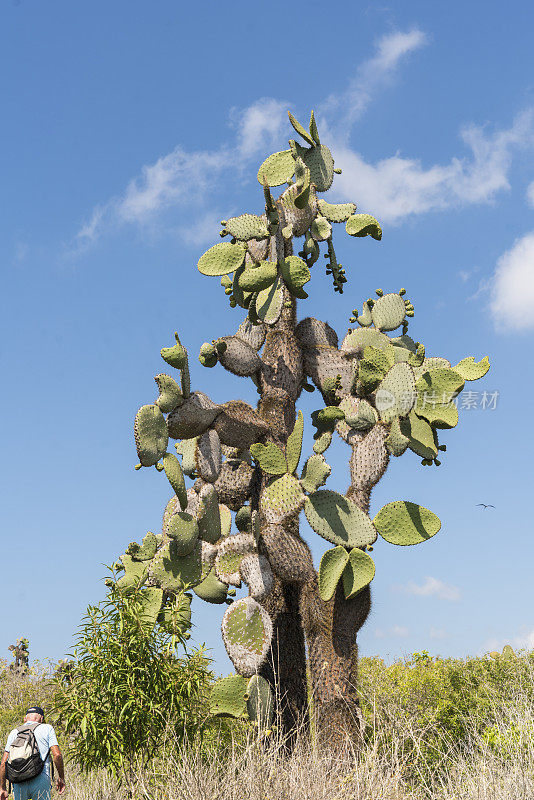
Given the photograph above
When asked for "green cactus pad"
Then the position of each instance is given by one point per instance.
(212, 590)
(471, 370)
(247, 632)
(282, 498)
(405, 523)
(183, 530)
(397, 443)
(331, 568)
(270, 458)
(135, 573)
(365, 317)
(230, 553)
(396, 395)
(243, 519)
(227, 697)
(310, 249)
(226, 520)
(374, 366)
(221, 259)
(175, 476)
(296, 274)
(323, 442)
(175, 356)
(151, 436)
(209, 520)
(435, 390)
(338, 520)
(294, 444)
(358, 573)
(356, 341)
(321, 165)
(187, 449)
(363, 225)
(336, 212)
(208, 355)
(300, 129)
(320, 229)
(364, 418)
(247, 226)
(278, 168)
(314, 473)
(421, 437)
(173, 573)
(434, 362)
(269, 303)
(260, 702)
(258, 277)
(151, 605)
(144, 551)
(388, 312)
(170, 395)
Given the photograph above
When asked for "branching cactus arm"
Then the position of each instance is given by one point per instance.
(381, 394)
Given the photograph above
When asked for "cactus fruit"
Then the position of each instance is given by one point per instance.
(170, 395)
(405, 523)
(380, 392)
(151, 436)
(331, 568)
(358, 573)
(260, 702)
(175, 476)
(339, 520)
(192, 418)
(363, 225)
(247, 632)
(314, 473)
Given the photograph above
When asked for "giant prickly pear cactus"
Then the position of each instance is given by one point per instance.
(381, 393)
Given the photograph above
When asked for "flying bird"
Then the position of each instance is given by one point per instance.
(486, 505)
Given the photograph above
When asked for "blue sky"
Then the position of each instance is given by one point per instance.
(129, 130)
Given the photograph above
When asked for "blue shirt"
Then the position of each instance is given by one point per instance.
(45, 737)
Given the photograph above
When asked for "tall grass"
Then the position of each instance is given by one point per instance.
(440, 729)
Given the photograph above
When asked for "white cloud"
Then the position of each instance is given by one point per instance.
(260, 127)
(396, 630)
(431, 587)
(512, 286)
(437, 633)
(396, 187)
(521, 641)
(530, 194)
(372, 76)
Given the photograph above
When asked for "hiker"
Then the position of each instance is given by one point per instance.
(26, 762)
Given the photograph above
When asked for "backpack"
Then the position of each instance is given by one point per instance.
(24, 761)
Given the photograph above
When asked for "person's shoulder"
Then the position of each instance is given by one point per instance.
(45, 728)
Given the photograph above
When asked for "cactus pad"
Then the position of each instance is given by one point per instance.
(175, 476)
(254, 335)
(421, 437)
(187, 449)
(230, 553)
(405, 523)
(247, 226)
(396, 442)
(388, 312)
(257, 277)
(282, 498)
(471, 370)
(247, 632)
(182, 528)
(295, 273)
(260, 702)
(356, 341)
(294, 444)
(151, 436)
(239, 357)
(173, 573)
(396, 394)
(321, 165)
(278, 168)
(135, 573)
(257, 574)
(320, 229)
(212, 590)
(313, 332)
(358, 573)
(226, 520)
(331, 568)
(209, 517)
(193, 417)
(336, 213)
(359, 414)
(269, 303)
(270, 458)
(363, 225)
(227, 697)
(436, 389)
(338, 520)
(323, 442)
(314, 473)
(144, 551)
(374, 366)
(170, 394)
(239, 425)
(209, 456)
(221, 259)
(151, 598)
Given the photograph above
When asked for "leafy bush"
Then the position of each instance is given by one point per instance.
(127, 688)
